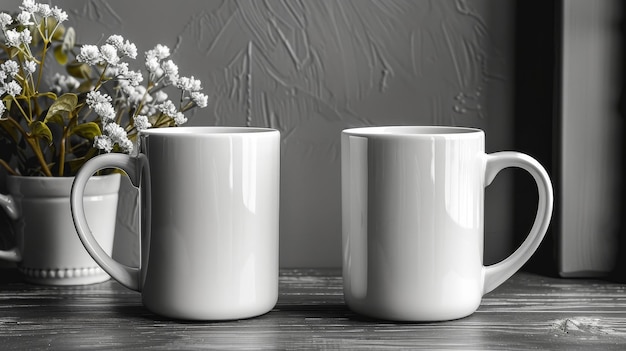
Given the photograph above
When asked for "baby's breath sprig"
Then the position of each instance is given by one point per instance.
(98, 106)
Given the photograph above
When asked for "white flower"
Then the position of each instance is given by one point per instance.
(59, 15)
(117, 70)
(44, 10)
(95, 97)
(106, 111)
(189, 84)
(160, 96)
(12, 88)
(25, 18)
(160, 52)
(118, 136)
(148, 110)
(124, 76)
(141, 122)
(126, 145)
(108, 53)
(2, 108)
(103, 142)
(62, 83)
(5, 20)
(29, 6)
(101, 105)
(11, 68)
(13, 38)
(25, 37)
(179, 118)
(115, 40)
(89, 54)
(30, 67)
(115, 131)
(128, 49)
(201, 100)
(125, 87)
(170, 70)
(138, 94)
(168, 108)
(134, 78)
(152, 64)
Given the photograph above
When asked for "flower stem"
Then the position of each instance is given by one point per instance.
(34, 145)
(7, 167)
(101, 78)
(62, 156)
(62, 147)
(43, 62)
(143, 98)
(27, 117)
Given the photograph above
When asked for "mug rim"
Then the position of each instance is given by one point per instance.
(207, 130)
(413, 131)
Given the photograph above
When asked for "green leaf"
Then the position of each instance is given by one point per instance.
(58, 119)
(41, 130)
(48, 94)
(60, 55)
(10, 129)
(63, 106)
(61, 51)
(87, 130)
(85, 86)
(79, 70)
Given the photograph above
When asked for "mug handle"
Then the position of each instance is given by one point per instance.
(498, 273)
(7, 202)
(137, 170)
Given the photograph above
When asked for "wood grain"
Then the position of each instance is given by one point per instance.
(528, 312)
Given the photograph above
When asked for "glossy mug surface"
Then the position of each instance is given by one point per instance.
(209, 228)
(413, 204)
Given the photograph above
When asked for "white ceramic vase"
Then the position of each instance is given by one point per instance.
(47, 248)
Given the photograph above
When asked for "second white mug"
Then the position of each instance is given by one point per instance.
(413, 200)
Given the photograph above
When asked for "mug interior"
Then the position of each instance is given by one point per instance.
(411, 130)
(206, 130)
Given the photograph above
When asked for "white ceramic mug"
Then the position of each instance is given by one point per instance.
(209, 228)
(413, 204)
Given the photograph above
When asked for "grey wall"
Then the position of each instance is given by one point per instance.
(313, 67)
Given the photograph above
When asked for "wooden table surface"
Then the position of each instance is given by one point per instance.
(527, 312)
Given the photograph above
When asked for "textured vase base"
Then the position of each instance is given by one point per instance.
(64, 276)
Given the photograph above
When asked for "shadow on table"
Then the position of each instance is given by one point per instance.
(9, 276)
(280, 313)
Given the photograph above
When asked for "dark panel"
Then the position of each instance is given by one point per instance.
(537, 60)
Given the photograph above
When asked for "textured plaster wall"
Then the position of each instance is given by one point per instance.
(311, 68)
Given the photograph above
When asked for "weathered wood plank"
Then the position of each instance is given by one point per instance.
(528, 312)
